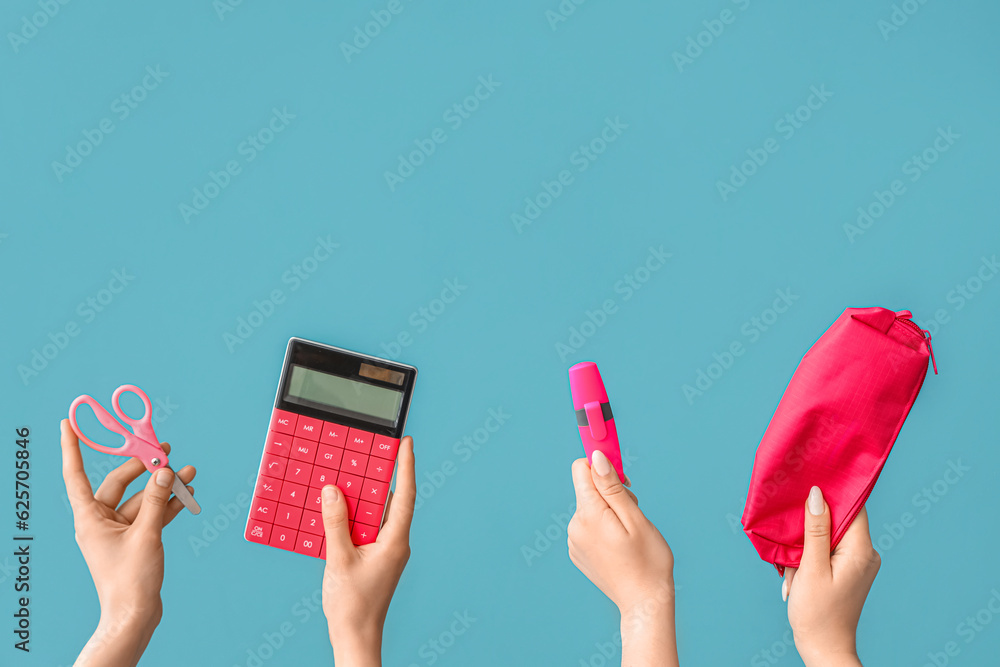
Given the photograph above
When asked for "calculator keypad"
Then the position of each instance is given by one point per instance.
(301, 456)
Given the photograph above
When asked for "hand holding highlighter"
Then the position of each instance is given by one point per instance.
(593, 414)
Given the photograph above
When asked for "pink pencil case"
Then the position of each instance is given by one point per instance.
(834, 427)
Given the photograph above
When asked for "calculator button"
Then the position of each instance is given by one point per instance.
(314, 500)
(352, 507)
(278, 443)
(323, 476)
(369, 514)
(322, 550)
(312, 523)
(329, 456)
(273, 466)
(308, 428)
(293, 494)
(359, 441)
(375, 491)
(263, 510)
(303, 450)
(283, 538)
(283, 422)
(308, 545)
(354, 463)
(288, 516)
(267, 488)
(350, 484)
(334, 434)
(379, 469)
(298, 472)
(363, 534)
(385, 447)
(258, 531)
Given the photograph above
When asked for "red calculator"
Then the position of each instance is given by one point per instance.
(338, 417)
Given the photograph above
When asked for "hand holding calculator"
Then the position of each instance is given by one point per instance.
(338, 418)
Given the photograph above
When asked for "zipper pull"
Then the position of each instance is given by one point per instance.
(930, 349)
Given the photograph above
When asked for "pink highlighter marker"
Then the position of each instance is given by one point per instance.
(593, 414)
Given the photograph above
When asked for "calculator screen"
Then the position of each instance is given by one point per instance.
(313, 388)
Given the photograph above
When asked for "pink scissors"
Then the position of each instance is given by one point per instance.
(141, 442)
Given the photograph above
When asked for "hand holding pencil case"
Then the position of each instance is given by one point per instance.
(834, 427)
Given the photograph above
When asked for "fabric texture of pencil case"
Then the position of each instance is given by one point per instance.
(834, 427)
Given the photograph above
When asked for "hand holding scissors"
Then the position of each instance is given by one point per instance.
(140, 442)
(122, 541)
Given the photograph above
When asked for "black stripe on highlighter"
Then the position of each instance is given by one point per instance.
(581, 415)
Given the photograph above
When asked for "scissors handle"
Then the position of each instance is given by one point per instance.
(136, 446)
(143, 426)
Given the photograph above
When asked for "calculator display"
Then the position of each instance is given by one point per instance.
(314, 388)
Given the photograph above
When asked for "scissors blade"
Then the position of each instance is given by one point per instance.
(180, 490)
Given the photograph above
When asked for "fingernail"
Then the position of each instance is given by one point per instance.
(628, 482)
(329, 494)
(163, 477)
(815, 501)
(600, 462)
(784, 590)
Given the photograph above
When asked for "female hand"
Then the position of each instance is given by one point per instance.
(827, 592)
(123, 549)
(621, 551)
(358, 582)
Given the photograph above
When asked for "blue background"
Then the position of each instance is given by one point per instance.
(495, 346)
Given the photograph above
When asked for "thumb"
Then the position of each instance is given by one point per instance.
(154, 501)
(611, 488)
(338, 538)
(816, 545)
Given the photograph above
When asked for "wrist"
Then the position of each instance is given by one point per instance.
(814, 657)
(358, 647)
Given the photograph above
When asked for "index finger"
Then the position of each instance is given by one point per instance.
(77, 485)
(397, 525)
(587, 495)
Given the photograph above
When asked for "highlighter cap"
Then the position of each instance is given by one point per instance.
(586, 385)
